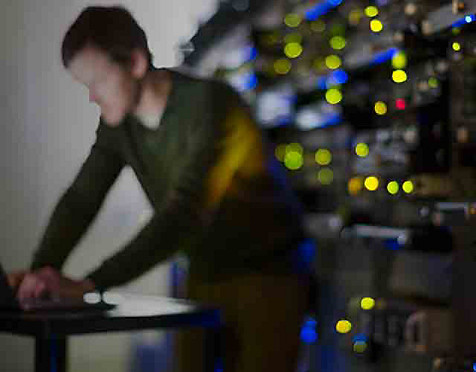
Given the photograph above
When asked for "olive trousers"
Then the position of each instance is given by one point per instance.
(262, 315)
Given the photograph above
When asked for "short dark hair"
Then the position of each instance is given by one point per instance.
(111, 29)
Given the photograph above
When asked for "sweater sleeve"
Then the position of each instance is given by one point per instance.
(80, 203)
(196, 193)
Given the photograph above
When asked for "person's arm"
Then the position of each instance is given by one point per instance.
(79, 204)
(211, 164)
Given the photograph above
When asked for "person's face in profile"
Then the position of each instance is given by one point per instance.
(111, 86)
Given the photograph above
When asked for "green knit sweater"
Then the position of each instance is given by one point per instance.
(218, 194)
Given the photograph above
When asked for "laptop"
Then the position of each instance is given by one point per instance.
(10, 303)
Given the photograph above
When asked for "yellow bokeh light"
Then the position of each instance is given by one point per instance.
(282, 66)
(380, 108)
(319, 64)
(343, 326)
(337, 42)
(323, 157)
(294, 147)
(280, 152)
(325, 176)
(376, 25)
(293, 50)
(360, 346)
(371, 11)
(371, 183)
(355, 184)
(333, 96)
(399, 60)
(354, 17)
(399, 76)
(456, 46)
(318, 26)
(392, 187)
(293, 37)
(362, 150)
(293, 160)
(292, 20)
(408, 187)
(333, 62)
(367, 303)
(433, 82)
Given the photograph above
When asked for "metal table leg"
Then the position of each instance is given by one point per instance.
(50, 354)
(213, 356)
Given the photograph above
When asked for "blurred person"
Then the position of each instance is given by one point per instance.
(219, 197)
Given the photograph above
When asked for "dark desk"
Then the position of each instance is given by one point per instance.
(133, 313)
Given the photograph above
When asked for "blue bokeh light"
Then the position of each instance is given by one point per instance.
(466, 19)
(252, 82)
(320, 9)
(360, 337)
(384, 56)
(338, 77)
(392, 244)
(308, 331)
(253, 53)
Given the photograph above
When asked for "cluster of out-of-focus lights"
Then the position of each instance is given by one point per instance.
(359, 347)
(333, 62)
(323, 157)
(343, 326)
(393, 187)
(456, 46)
(359, 343)
(400, 104)
(371, 11)
(325, 176)
(399, 76)
(333, 96)
(292, 20)
(367, 303)
(282, 66)
(354, 185)
(362, 150)
(380, 108)
(371, 183)
(293, 50)
(376, 25)
(408, 187)
(399, 60)
(293, 161)
(291, 155)
(337, 42)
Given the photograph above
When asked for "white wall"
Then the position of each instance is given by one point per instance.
(47, 128)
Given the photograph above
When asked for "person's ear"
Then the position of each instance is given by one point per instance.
(139, 63)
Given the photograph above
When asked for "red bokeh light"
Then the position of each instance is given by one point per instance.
(400, 104)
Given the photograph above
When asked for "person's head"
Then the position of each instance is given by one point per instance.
(106, 50)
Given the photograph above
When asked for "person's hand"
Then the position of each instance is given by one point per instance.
(15, 278)
(48, 281)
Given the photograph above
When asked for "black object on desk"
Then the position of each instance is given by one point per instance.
(132, 313)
